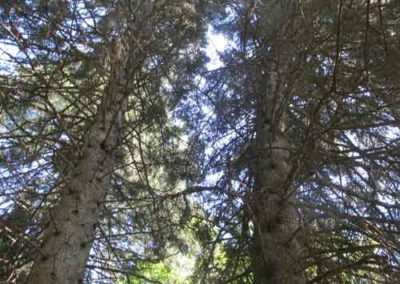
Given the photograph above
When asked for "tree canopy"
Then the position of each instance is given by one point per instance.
(126, 158)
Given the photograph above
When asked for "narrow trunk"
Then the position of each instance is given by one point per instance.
(69, 237)
(276, 247)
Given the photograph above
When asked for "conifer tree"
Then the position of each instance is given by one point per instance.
(86, 128)
(305, 137)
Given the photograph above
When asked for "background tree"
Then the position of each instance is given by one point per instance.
(310, 79)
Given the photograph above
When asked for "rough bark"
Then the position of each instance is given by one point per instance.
(69, 236)
(276, 246)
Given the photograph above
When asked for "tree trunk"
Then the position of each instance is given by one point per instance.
(276, 248)
(69, 236)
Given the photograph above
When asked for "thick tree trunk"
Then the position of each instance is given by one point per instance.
(276, 248)
(69, 237)
(276, 251)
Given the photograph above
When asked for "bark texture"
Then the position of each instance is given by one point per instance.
(276, 247)
(69, 236)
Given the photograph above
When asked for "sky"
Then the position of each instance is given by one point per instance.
(5, 52)
(217, 43)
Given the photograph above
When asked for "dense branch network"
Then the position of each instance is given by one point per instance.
(281, 166)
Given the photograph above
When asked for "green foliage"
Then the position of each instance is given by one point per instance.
(158, 272)
(163, 272)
